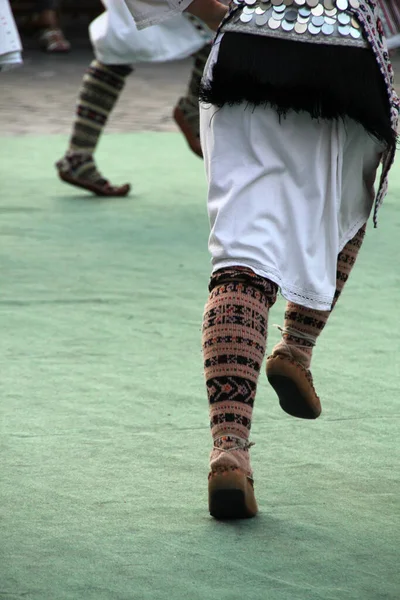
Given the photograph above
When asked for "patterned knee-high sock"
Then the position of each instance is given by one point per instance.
(234, 339)
(189, 104)
(101, 86)
(302, 325)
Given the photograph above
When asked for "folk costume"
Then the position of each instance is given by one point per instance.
(297, 112)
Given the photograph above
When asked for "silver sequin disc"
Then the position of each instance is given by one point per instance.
(248, 10)
(291, 16)
(260, 11)
(300, 27)
(280, 9)
(329, 4)
(303, 20)
(355, 23)
(276, 2)
(314, 30)
(246, 18)
(305, 11)
(277, 16)
(327, 29)
(355, 33)
(331, 13)
(262, 20)
(317, 21)
(312, 3)
(342, 4)
(299, 2)
(286, 26)
(273, 23)
(344, 29)
(330, 20)
(344, 18)
(354, 4)
(318, 10)
(250, 2)
(288, 2)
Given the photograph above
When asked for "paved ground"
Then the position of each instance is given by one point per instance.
(39, 98)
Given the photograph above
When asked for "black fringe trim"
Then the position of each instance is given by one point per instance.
(327, 81)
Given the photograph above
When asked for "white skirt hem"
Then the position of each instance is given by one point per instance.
(289, 291)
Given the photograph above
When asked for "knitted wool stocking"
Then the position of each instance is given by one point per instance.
(234, 341)
(101, 86)
(302, 325)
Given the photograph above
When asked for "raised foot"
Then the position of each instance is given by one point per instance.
(294, 387)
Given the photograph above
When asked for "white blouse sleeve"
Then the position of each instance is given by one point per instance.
(151, 12)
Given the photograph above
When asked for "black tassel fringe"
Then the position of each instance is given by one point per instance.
(327, 81)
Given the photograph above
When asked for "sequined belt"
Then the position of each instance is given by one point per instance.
(321, 21)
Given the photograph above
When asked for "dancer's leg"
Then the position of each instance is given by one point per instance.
(288, 368)
(234, 341)
(101, 87)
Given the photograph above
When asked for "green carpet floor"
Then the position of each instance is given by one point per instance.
(104, 425)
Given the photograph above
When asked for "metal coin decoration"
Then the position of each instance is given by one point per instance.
(318, 10)
(300, 28)
(327, 29)
(324, 18)
(273, 23)
(262, 20)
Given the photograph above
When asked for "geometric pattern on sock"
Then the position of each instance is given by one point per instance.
(309, 322)
(81, 166)
(245, 275)
(301, 328)
(234, 389)
(234, 339)
(306, 321)
(226, 417)
(100, 89)
(346, 260)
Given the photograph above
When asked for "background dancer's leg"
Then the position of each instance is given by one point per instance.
(289, 364)
(234, 340)
(101, 87)
(186, 112)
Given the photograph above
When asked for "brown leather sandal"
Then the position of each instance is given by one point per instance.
(100, 188)
(294, 386)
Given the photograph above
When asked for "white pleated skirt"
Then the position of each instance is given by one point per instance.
(117, 41)
(285, 195)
